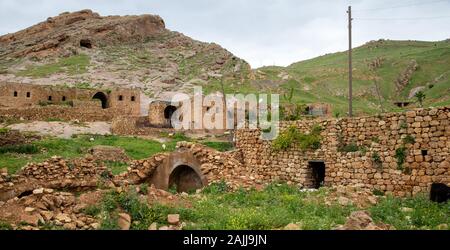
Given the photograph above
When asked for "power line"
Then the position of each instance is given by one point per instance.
(401, 6)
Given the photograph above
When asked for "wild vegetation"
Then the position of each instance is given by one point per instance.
(324, 79)
(277, 205)
(16, 156)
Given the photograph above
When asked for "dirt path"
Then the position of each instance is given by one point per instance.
(63, 129)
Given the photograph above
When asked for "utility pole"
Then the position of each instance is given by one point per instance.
(350, 77)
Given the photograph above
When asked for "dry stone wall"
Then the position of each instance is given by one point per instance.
(55, 112)
(422, 136)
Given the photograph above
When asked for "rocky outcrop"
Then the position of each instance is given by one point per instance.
(61, 35)
(404, 78)
(133, 51)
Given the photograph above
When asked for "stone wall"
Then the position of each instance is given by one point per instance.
(426, 159)
(14, 95)
(58, 112)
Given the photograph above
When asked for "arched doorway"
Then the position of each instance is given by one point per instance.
(103, 98)
(184, 179)
(168, 113)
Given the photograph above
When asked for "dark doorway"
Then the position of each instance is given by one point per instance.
(439, 192)
(103, 98)
(184, 179)
(86, 43)
(317, 170)
(168, 113)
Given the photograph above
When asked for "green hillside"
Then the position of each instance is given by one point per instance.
(325, 78)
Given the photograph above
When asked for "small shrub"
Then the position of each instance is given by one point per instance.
(376, 159)
(4, 130)
(286, 139)
(92, 210)
(5, 226)
(216, 188)
(292, 135)
(109, 221)
(351, 147)
(20, 149)
(400, 155)
(144, 188)
(403, 125)
(378, 192)
(376, 139)
(409, 140)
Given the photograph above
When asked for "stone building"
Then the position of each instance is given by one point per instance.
(25, 96)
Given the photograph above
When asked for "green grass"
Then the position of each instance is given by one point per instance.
(135, 148)
(326, 76)
(19, 149)
(220, 146)
(425, 214)
(271, 208)
(117, 167)
(71, 65)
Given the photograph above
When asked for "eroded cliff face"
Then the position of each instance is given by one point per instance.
(63, 34)
(99, 51)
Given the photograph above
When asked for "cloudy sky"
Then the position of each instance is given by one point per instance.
(263, 32)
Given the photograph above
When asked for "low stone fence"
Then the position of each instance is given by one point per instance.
(59, 112)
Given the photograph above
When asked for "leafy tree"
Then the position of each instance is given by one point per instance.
(420, 97)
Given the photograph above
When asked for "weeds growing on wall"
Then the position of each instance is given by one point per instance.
(409, 139)
(400, 155)
(292, 136)
(376, 159)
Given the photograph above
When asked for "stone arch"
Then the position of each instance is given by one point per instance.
(181, 168)
(103, 98)
(184, 179)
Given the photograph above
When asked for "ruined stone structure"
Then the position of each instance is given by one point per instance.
(36, 102)
(419, 140)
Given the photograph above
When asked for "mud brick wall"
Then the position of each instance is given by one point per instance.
(427, 159)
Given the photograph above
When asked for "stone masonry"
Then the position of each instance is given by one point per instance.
(423, 133)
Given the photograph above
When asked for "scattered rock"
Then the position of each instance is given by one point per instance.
(70, 226)
(65, 218)
(124, 221)
(31, 219)
(38, 191)
(361, 220)
(29, 209)
(292, 226)
(343, 201)
(173, 219)
(407, 209)
(153, 226)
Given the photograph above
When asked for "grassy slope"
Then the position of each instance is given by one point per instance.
(326, 76)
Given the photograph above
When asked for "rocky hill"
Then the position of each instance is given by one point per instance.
(384, 72)
(88, 50)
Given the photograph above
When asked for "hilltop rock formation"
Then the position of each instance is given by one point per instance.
(103, 51)
(61, 35)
